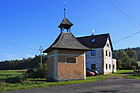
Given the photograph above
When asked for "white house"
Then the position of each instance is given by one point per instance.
(100, 56)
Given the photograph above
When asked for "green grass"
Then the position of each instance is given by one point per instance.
(35, 83)
(39, 82)
(124, 71)
(120, 72)
(132, 76)
(10, 73)
(138, 63)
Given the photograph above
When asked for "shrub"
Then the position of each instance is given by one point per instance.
(40, 72)
(1, 81)
(30, 71)
(17, 79)
(134, 68)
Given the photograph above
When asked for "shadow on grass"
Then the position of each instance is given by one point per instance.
(39, 80)
(17, 79)
(10, 75)
(128, 73)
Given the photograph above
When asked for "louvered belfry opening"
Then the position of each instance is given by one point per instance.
(65, 24)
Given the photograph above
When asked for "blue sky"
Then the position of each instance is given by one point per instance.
(25, 25)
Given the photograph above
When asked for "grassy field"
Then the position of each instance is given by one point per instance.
(34, 83)
(132, 76)
(10, 73)
(138, 63)
(39, 82)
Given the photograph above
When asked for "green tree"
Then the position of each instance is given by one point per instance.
(132, 54)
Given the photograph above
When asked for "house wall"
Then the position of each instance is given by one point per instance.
(101, 59)
(115, 65)
(108, 59)
(97, 59)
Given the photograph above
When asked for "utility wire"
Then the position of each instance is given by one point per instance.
(127, 37)
(125, 13)
(16, 45)
(133, 17)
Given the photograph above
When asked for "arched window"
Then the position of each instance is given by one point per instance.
(106, 53)
(113, 66)
(109, 54)
(109, 66)
(106, 66)
(107, 45)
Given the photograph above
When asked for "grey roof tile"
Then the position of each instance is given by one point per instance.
(100, 41)
(66, 40)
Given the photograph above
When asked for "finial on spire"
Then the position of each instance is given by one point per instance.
(93, 32)
(64, 10)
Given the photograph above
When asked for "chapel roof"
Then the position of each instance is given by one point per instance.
(66, 40)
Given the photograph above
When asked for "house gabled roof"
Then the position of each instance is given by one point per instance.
(66, 40)
(99, 41)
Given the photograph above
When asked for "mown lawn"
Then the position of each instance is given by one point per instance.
(11, 73)
(34, 82)
(132, 76)
(39, 82)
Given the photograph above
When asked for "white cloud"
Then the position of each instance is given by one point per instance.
(9, 56)
(29, 55)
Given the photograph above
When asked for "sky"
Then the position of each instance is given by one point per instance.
(25, 25)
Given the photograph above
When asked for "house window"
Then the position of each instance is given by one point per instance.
(109, 54)
(107, 45)
(93, 52)
(93, 66)
(109, 66)
(106, 53)
(71, 60)
(113, 66)
(106, 66)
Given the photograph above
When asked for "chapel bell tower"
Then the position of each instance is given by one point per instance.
(65, 24)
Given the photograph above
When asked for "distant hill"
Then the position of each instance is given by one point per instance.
(22, 64)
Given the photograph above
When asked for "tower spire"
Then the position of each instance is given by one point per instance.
(65, 24)
(64, 10)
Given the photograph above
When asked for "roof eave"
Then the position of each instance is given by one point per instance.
(49, 49)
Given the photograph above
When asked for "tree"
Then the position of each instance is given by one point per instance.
(132, 54)
(125, 59)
